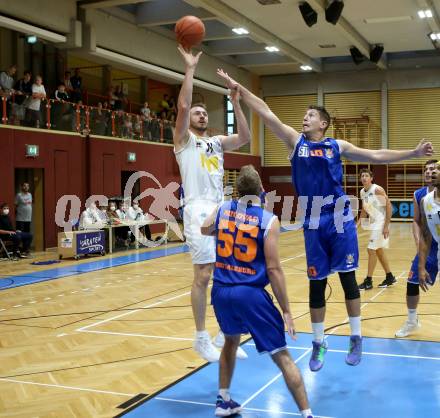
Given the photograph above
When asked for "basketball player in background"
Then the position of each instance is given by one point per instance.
(377, 206)
(412, 324)
(200, 160)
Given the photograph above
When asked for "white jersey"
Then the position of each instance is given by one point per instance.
(201, 167)
(373, 204)
(432, 213)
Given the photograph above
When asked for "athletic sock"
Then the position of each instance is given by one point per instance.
(202, 334)
(306, 413)
(412, 315)
(355, 325)
(224, 393)
(318, 331)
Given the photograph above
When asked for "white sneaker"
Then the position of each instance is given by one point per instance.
(408, 328)
(206, 349)
(219, 341)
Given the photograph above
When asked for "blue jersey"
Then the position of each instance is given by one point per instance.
(240, 233)
(317, 171)
(419, 194)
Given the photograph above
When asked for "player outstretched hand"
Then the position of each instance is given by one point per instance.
(231, 84)
(425, 148)
(190, 59)
(424, 280)
(287, 316)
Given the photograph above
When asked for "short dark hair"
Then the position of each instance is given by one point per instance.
(323, 114)
(366, 170)
(199, 104)
(429, 162)
(27, 72)
(248, 181)
(4, 205)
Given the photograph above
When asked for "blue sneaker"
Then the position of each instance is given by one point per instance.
(354, 355)
(317, 360)
(226, 408)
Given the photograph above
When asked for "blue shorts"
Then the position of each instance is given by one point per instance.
(329, 251)
(248, 309)
(431, 268)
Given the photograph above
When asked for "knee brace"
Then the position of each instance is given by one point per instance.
(317, 293)
(412, 289)
(348, 282)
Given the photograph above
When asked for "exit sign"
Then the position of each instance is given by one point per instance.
(131, 157)
(32, 150)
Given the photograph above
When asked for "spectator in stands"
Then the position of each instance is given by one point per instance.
(79, 123)
(172, 108)
(112, 212)
(155, 128)
(23, 92)
(137, 127)
(23, 206)
(146, 125)
(90, 218)
(33, 115)
(98, 120)
(102, 212)
(127, 129)
(118, 98)
(76, 82)
(59, 108)
(7, 86)
(123, 233)
(9, 233)
(145, 110)
(119, 119)
(164, 105)
(68, 83)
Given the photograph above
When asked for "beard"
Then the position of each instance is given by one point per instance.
(199, 128)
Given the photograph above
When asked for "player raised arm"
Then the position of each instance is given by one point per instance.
(425, 239)
(384, 156)
(276, 274)
(243, 135)
(181, 134)
(286, 133)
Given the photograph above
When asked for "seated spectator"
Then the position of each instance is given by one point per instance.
(76, 82)
(9, 233)
(112, 213)
(33, 115)
(23, 92)
(145, 110)
(123, 233)
(102, 212)
(7, 87)
(91, 218)
(135, 213)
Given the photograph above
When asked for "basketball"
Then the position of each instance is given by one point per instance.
(190, 31)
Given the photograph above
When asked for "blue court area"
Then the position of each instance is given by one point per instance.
(396, 379)
(8, 282)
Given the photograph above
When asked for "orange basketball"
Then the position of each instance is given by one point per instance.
(190, 31)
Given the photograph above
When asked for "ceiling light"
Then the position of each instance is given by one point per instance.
(435, 36)
(306, 68)
(240, 31)
(423, 14)
(272, 49)
(31, 39)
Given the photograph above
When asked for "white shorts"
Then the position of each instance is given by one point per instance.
(377, 240)
(201, 247)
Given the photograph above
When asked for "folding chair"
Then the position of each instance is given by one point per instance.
(3, 248)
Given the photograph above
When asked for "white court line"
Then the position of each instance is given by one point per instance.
(160, 398)
(82, 329)
(67, 387)
(293, 258)
(364, 352)
(273, 380)
(142, 335)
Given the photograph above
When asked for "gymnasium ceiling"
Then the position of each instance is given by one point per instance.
(325, 47)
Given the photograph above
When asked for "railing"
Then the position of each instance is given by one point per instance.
(74, 117)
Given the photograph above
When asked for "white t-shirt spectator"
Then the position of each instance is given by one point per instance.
(34, 104)
(24, 207)
(145, 111)
(91, 219)
(135, 214)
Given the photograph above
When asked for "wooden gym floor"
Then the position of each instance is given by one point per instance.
(82, 345)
